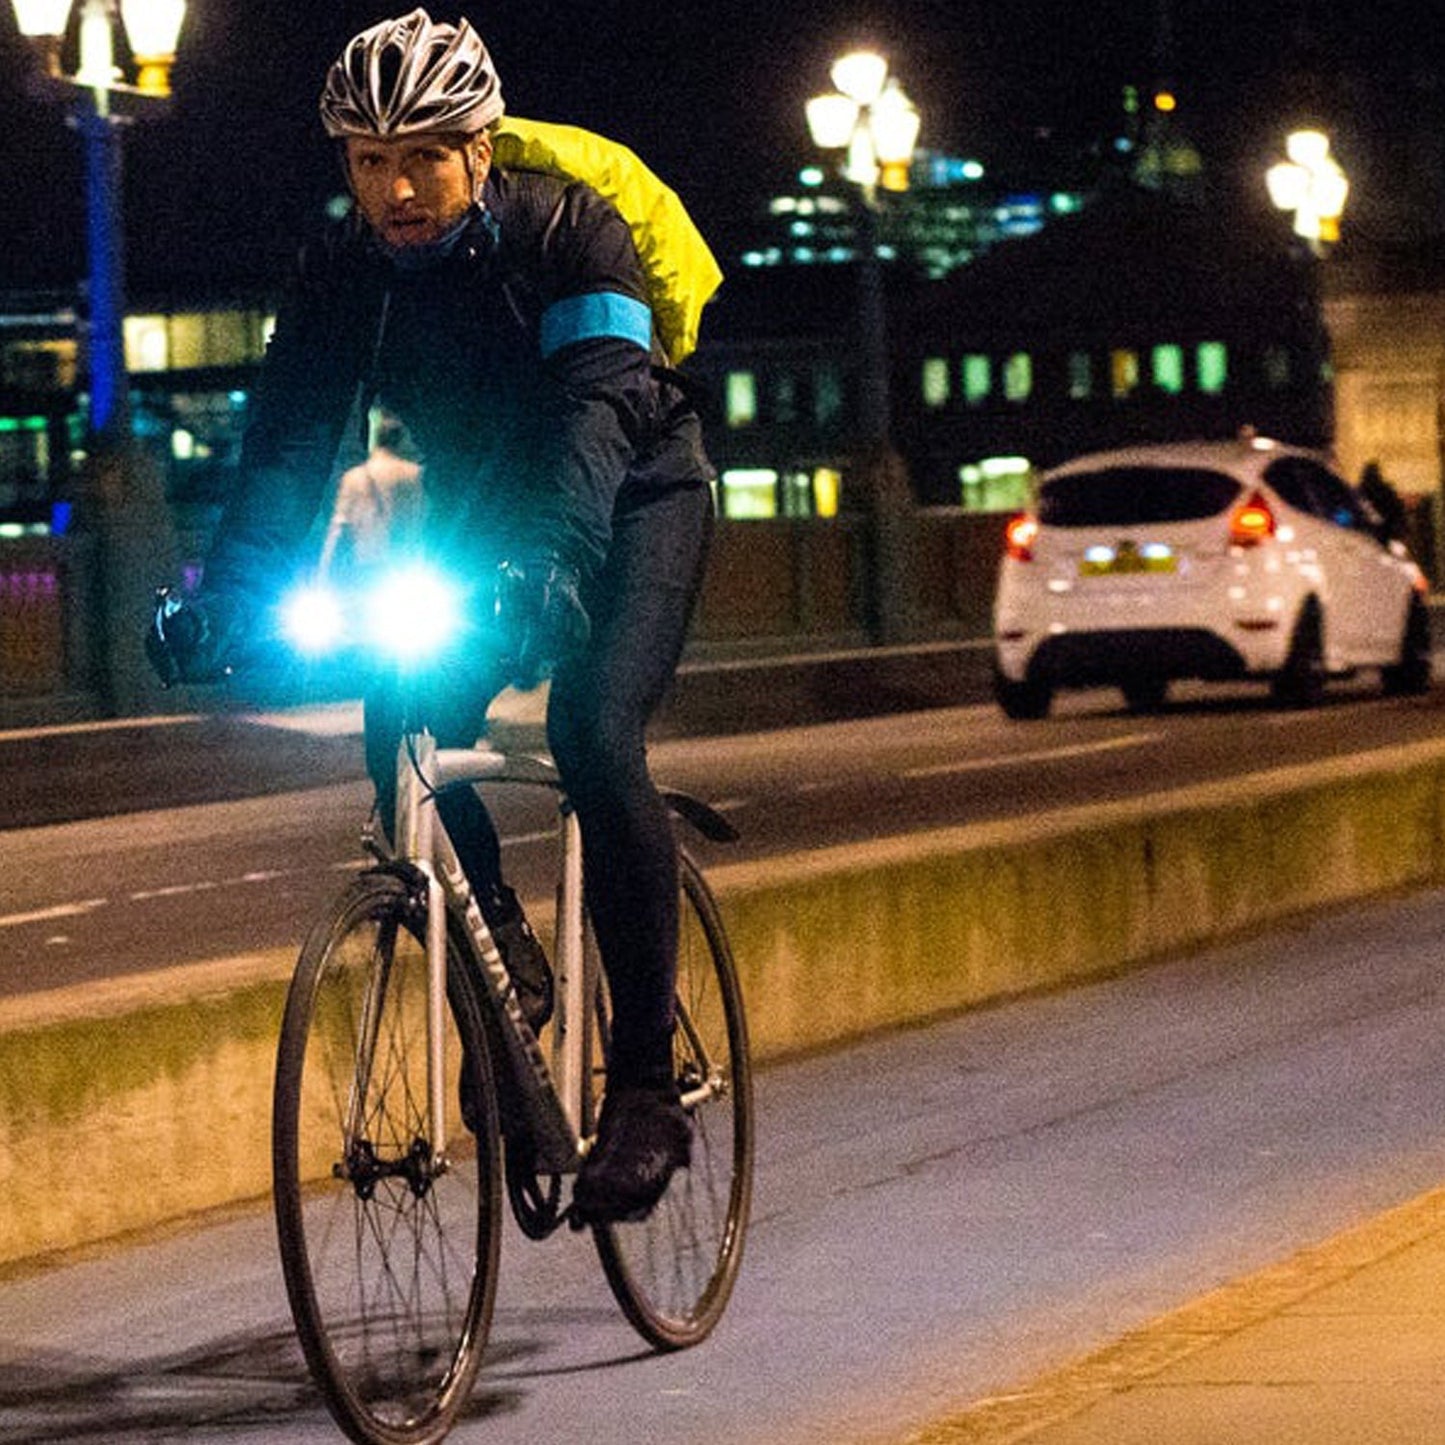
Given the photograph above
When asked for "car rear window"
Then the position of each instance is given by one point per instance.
(1123, 496)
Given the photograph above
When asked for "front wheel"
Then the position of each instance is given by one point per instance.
(1410, 676)
(388, 1234)
(672, 1272)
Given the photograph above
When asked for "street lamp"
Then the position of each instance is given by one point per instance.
(874, 125)
(1311, 184)
(100, 105)
(130, 517)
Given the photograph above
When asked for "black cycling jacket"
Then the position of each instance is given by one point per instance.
(522, 363)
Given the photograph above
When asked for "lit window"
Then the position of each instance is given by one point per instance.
(1211, 362)
(797, 494)
(977, 379)
(749, 493)
(1167, 364)
(742, 398)
(1018, 376)
(147, 346)
(1124, 372)
(935, 382)
(1081, 375)
(995, 484)
(827, 483)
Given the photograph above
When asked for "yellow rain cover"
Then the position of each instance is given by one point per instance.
(681, 272)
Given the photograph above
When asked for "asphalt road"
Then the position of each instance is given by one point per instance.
(940, 1213)
(218, 836)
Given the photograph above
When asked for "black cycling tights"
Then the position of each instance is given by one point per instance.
(601, 701)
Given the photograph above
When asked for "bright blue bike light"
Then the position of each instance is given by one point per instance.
(312, 620)
(412, 613)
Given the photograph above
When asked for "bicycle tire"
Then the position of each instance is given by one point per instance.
(390, 1268)
(673, 1272)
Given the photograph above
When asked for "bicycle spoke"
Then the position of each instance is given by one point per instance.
(390, 1261)
(672, 1272)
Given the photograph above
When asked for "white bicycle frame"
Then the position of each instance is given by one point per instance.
(552, 1096)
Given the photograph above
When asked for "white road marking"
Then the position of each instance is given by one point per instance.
(171, 890)
(99, 725)
(203, 885)
(1041, 755)
(60, 910)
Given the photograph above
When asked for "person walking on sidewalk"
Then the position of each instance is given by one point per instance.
(378, 503)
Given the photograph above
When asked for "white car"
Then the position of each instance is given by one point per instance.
(1215, 560)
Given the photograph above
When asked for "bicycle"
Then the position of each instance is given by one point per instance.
(410, 1096)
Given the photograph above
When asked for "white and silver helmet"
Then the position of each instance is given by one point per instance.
(411, 76)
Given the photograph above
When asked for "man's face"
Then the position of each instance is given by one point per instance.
(413, 191)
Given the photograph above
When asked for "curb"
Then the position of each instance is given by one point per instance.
(133, 1103)
(1144, 1354)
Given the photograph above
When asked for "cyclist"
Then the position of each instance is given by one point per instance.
(504, 317)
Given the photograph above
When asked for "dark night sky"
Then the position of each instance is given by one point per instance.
(710, 92)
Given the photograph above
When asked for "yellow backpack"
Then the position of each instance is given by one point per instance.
(681, 272)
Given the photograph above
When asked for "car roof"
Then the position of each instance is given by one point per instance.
(1243, 457)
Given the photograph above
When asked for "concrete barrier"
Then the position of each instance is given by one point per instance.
(142, 1100)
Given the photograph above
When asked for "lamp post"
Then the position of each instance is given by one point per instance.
(1310, 184)
(873, 126)
(122, 494)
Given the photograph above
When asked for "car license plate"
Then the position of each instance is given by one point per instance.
(1128, 559)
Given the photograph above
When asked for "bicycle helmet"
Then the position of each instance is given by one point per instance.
(411, 76)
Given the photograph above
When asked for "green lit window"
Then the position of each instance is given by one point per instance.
(1081, 375)
(1123, 372)
(977, 378)
(1167, 365)
(1276, 368)
(995, 484)
(797, 490)
(935, 382)
(1018, 376)
(1211, 362)
(749, 493)
(742, 398)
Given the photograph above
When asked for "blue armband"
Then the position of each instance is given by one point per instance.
(594, 315)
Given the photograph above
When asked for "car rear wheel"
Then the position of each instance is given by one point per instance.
(1410, 676)
(1301, 681)
(1145, 694)
(1024, 701)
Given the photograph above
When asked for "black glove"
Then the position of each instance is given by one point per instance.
(196, 639)
(540, 616)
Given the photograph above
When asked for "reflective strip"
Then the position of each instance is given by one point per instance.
(598, 313)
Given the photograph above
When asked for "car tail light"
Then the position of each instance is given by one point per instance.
(1019, 536)
(1251, 522)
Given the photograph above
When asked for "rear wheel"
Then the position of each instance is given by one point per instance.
(389, 1252)
(672, 1272)
(1301, 681)
(1410, 676)
(1025, 701)
(1145, 694)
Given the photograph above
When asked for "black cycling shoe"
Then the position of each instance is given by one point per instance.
(523, 955)
(643, 1137)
